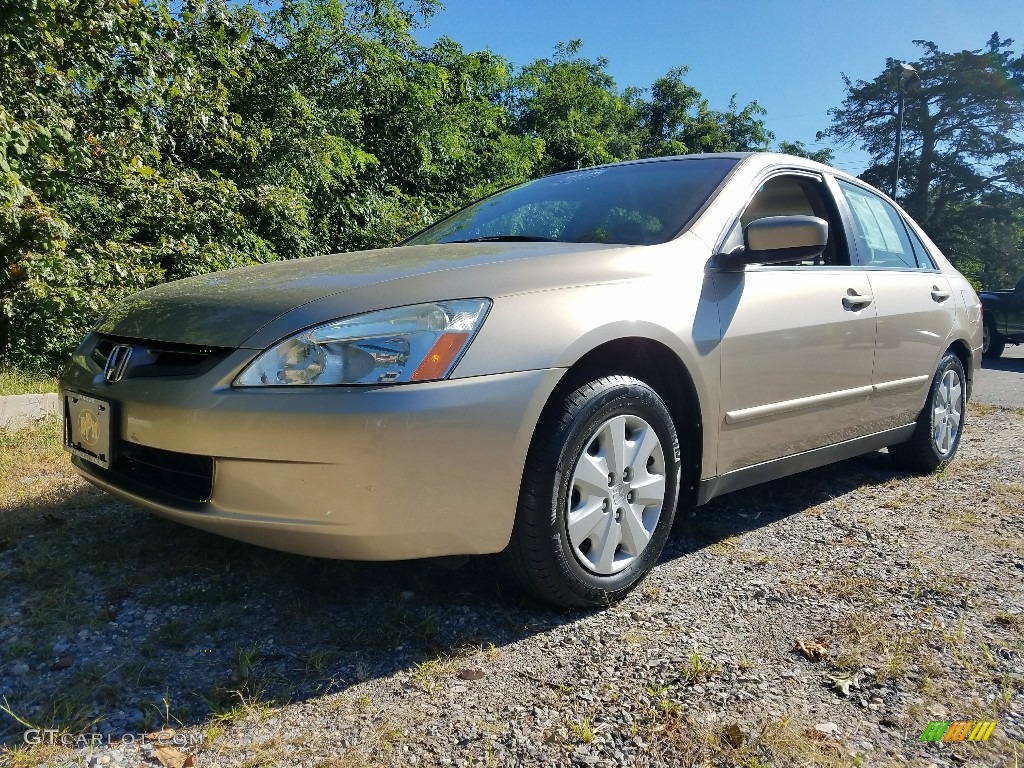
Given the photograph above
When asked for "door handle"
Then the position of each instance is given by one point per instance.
(938, 294)
(853, 300)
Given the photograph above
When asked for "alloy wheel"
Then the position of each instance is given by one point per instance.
(947, 412)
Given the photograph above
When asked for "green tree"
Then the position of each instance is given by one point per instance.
(77, 118)
(798, 148)
(677, 119)
(962, 167)
(572, 104)
(138, 146)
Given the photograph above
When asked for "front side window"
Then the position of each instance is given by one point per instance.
(882, 238)
(795, 195)
(635, 204)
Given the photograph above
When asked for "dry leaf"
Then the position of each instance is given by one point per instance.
(843, 682)
(171, 757)
(107, 613)
(815, 650)
(734, 735)
(471, 673)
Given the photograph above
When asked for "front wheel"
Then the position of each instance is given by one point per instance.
(598, 495)
(937, 434)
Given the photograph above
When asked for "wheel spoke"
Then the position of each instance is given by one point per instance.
(585, 522)
(954, 419)
(613, 441)
(947, 437)
(634, 535)
(645, 448)
(607, 546)
(942, 437)
(650, 491)
(591, 477)
(955, 392)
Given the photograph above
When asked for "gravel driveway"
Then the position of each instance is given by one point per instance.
(904, 590)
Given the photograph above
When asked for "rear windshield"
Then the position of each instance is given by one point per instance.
(636, 204)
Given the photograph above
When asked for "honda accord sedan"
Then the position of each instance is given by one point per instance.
(546, 374)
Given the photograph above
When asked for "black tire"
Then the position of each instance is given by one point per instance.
(994, 342)
(923, 452)
(540, 556)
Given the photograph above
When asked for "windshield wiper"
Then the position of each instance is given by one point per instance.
(506, 239)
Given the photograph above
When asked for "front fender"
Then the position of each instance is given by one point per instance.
(555, 329)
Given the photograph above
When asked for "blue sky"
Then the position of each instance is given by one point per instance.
(787, 56)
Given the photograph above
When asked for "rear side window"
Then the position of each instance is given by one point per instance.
(882, 238)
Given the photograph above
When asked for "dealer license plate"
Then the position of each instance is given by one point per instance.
(87, 428)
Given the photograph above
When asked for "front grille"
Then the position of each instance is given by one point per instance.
(158, 358)
(179, 479)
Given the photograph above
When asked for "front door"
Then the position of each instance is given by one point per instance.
(796, 360)
(797, 339)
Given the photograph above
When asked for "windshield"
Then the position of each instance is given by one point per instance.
(634, 204)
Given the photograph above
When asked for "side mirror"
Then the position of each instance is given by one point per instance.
(776, 239)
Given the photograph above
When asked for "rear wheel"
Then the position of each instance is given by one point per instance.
(992, 342)
(598, 495)
(937, 434)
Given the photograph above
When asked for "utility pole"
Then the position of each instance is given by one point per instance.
(905, 75)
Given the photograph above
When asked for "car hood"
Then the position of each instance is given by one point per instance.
(224, 309)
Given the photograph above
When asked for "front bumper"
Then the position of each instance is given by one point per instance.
(382, 473)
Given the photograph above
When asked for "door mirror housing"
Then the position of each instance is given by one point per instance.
(776, 239)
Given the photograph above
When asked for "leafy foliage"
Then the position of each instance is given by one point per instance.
(962, 166)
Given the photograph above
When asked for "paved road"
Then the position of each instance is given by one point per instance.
(1001, 382)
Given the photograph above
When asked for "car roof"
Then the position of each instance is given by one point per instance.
(766, 159)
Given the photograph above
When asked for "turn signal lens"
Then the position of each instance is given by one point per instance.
(440, 357)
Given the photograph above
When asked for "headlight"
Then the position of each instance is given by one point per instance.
(418, 343)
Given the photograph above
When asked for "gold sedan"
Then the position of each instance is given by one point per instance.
(546, 374)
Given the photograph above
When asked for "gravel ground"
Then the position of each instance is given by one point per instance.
(116, 624)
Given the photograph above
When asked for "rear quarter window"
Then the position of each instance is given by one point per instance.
(924, 258)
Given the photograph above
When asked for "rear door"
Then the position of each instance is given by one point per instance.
(913, 303)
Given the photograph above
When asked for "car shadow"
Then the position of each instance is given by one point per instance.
(1013, 364)
(117, 622)
(762, 505)
(114, 621)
